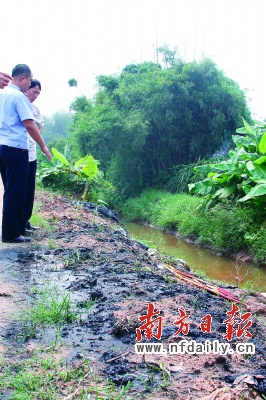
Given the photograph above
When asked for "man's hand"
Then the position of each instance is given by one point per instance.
(46, 151)
(4, 80)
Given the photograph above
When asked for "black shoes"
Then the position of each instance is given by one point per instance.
(22, 239)
(30, 228)
(19, 239)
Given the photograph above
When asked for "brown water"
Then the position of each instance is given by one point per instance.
(216, 267)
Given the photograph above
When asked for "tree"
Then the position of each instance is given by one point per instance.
(80, 103)
(168, 55)
(148, 119)
(73, 82)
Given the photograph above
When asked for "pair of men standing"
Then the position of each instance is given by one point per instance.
(16, 122)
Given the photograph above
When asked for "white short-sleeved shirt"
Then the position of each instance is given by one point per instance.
(37, 117)
(15, 108)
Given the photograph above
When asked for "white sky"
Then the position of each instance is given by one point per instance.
(63, 39)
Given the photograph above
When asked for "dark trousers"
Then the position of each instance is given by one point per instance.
(14, 168)
(30, 190)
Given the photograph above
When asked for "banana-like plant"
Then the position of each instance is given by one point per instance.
(242, 175)
(84, 170)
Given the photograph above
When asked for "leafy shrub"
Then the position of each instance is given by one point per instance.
(83, 172)
(257, 245)
(243, 175)
(182, 175)
(141, 208)
(226, 227)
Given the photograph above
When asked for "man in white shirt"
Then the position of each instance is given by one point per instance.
(16, 121)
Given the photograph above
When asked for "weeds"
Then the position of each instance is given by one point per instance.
(195, 303)
(52, 307)
(51, 244)
(72, 258)
(238, 276)
(42, 377)
(227, 227)
(165, 373)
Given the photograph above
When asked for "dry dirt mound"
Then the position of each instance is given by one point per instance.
(95, 259)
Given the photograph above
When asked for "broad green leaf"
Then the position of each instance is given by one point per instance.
(231, 153)
(236, 155)
(201, 188)
(90, 168)
(248, 127)
(241, 130)
(261, 160)
(260, 124)
(212, 175)
(224, 192)
(262, 145)
(242, 141)
(81, 161)
(203, 168)
(105, 184)
(60, 156)
(258, 190)
(223, 167)
(247, 187)
(251, 148)
(250, 157)
(257, 172)
(220, 178)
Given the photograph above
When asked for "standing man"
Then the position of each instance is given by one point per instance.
(32, 93)
(16, 121)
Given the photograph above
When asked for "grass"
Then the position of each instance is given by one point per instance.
(226, 228)
(43, 377)
(37, 219)
(43, 374)
(52, 306)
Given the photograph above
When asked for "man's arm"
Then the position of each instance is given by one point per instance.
(35, 134)
(4, 79)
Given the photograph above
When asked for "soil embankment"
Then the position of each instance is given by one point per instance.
(94, 259)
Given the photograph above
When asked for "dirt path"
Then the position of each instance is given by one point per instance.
(95, 260)
(12, 294)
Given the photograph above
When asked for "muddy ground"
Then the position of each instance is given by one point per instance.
(92, 257)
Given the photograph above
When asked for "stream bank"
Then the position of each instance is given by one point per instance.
(95, 260)
(232, 270)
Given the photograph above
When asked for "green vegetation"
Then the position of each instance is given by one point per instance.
(150, 119)
(163, 126)
(227, 227)
(52, 306)
(234, 191)
(37, 218)
(43, 373)
(243, 175)
(81, 173)
(43, 377)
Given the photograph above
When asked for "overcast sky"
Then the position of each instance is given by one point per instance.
(63, 39)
